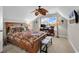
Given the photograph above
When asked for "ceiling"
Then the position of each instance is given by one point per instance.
(24, 13)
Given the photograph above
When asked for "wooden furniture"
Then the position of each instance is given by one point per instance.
(31, 44)
(49, 30)
(9, 24)
(24, 39)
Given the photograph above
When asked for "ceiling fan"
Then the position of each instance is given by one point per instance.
(40, 11)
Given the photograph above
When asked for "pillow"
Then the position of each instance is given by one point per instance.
(27, 34)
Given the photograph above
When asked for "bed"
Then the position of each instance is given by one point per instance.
(27, 40)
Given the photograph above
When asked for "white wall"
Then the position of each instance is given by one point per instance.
(73, 36)
(36, 24)
(1, 30)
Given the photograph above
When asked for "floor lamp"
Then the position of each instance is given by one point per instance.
(57, 28)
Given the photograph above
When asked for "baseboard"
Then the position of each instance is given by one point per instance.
(73, 46)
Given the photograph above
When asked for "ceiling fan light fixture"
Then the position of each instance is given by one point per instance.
(41, 11)
(36, 13)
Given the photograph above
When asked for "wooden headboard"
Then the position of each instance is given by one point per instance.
(9, 24)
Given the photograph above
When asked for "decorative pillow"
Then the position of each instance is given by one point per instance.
(27, 34)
